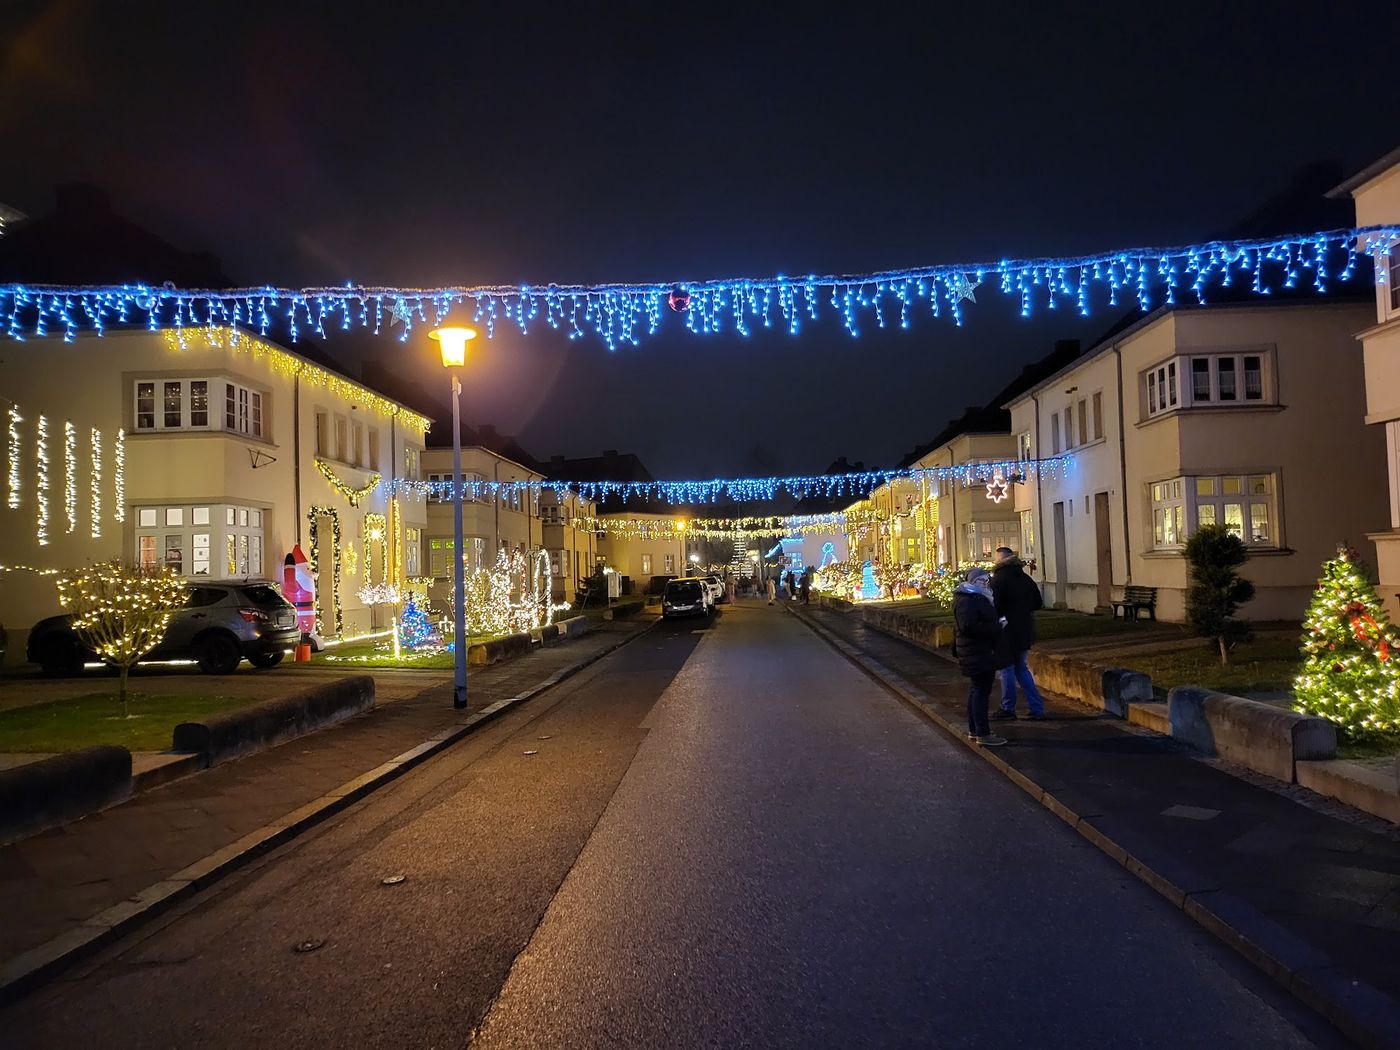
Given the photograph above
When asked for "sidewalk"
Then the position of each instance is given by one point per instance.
(60, 879)
(1309, 893)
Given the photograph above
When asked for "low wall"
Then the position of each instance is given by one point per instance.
(575, 626)
(498, 649)
(928, 634)
(545, 635)
(1261, 737)
(1111, 688)
(826, 601)
(221, 737)
(53, 791)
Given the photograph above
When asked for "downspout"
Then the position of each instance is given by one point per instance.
(1039, 495)
(953, 500)
(496, 504)
(1122, 473)
(296, 452)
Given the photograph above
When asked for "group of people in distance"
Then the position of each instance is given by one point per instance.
(994, 629)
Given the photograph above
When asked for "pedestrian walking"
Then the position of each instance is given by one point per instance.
(1017, 597)
(806, 586)
(979, 643)
(791, 585)
(772, 590)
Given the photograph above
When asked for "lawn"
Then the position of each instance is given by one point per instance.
(1049, 623)
(1268, 662)
(379, 652)
(96, 718)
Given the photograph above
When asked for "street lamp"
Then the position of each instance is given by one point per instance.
(453, 340)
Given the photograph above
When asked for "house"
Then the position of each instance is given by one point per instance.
(1246, 414)
(1376, 193)
(211, 451)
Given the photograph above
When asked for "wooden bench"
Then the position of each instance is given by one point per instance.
(1137, 598)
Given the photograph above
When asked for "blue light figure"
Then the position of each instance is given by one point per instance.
(869, 589)
(828, 554)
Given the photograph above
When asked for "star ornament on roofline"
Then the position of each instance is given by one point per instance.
(961, 288)
(998, 488)
(399, 313)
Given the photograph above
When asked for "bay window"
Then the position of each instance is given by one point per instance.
(1245, 504)
(184, 404)
(1215, 379)
(185, 537)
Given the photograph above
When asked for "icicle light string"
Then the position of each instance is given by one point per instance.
(622, 314)
(741, 490)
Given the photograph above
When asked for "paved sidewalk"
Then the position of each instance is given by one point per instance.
(58, 879)
(1309, 892)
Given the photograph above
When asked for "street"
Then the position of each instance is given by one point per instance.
(721, 835)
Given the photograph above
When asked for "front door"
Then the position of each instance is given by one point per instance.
(1102, 533)
(1061, 556)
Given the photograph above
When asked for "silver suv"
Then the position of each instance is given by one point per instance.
(220, 624)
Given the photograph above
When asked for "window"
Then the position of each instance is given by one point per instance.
(1098, 417)
(1216, 379)
(410, 463)
(199, 402)
(911, 549)
(162, 538)
(341, 432)
(646, 564)
(357, 443)
(413, 539)
(242, 410)
(145, 406)
(373, 448)
(200, 554)
(1023, 445)
(1393, 277)
(146, 552)
(1027, 534)
(323, 443)
(1055, 433)
(440, 558)
(174, 515)
(199, 516)
(183, 404)
(1083, 421)
(174, 553)
(670, 564)
(1243, 504)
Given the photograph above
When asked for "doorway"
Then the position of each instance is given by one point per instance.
(1061, 556)
(1103, 537)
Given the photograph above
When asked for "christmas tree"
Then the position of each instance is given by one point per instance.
(1349, 675)
(415, 630)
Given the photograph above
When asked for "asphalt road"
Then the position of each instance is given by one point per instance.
(724, 837)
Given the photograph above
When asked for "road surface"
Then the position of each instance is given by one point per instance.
(720, 836)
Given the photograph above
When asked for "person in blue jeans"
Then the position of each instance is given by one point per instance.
(1017, 597)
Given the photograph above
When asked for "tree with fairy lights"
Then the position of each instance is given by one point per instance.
(1349, 674)
(121, 612)
(415, 629)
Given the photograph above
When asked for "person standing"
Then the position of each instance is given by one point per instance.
(1017, 597)
(979, 643)
(772, 589)
(791, 585)
(806, 586)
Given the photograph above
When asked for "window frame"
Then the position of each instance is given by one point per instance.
(1207, 380)
(1209, 492)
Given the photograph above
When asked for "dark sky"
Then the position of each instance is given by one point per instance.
(460, 143)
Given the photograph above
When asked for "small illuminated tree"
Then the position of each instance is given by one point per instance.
(119, 611)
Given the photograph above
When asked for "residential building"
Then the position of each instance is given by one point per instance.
(662, 552)
(1245, 414)
(1376, 193)
(212, 451)
(570, 539)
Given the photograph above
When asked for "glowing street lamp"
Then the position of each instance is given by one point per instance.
(453, 340)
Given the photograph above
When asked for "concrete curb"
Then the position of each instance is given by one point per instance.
(25, 972)
(1359, 1010)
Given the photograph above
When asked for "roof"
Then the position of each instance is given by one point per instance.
(1365, 175)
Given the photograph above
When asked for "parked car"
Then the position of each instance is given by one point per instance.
(220, 625)
(717, 591)
(687, 596)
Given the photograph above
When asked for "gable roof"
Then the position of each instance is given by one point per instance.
(1377, 167)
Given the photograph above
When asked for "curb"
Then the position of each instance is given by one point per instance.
(1358, 1010)
(25, 972)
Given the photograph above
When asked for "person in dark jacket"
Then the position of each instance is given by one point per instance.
(1017, 597)
(979, 642)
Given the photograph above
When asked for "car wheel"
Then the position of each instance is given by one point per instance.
(218, 654)
(267, 659)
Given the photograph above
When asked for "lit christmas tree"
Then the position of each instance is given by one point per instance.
(1350, 674)
(415, 630)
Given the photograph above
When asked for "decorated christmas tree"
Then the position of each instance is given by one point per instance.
(1350, 674)
(415, 629)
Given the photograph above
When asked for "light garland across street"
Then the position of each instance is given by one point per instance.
(623, 313)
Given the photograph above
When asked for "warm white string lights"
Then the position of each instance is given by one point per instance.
(119, 476)
(70, 474)
(15, 480)
(41, 485)
(95, 476)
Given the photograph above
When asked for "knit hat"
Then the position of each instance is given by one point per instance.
(975, 573)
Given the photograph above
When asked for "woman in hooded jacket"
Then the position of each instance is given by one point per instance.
(979, 643)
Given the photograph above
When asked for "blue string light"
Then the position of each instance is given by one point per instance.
(621, 314)
(853, 486)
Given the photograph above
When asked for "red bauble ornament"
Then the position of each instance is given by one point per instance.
(678, 300)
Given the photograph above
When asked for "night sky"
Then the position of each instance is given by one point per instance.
(458, 143)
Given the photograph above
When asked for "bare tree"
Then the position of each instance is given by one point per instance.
(119, 611)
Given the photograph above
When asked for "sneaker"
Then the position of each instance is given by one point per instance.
(991, 740)
(1003, 715)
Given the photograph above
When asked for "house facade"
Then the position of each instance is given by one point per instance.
(1376, 193)
(1247, 416)
(212, 451)
(572, 544)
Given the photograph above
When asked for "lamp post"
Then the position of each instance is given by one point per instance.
(453, 342)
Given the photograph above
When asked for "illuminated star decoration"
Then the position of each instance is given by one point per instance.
(997, 488)
(962, 288)
(399, 313)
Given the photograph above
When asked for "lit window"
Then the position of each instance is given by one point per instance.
(200, 553)
(199, 516)
(174, 553)
(411, 556)
(146, 551)
(146, 517)
(1246, 506)
(199, 403)
(174, 515)
(646, 564)
(145, 406)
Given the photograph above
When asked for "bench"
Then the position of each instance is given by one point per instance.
(1136, 598)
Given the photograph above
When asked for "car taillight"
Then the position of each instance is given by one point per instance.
(255, 615)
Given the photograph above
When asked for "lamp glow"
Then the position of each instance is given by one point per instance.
(453, 340)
